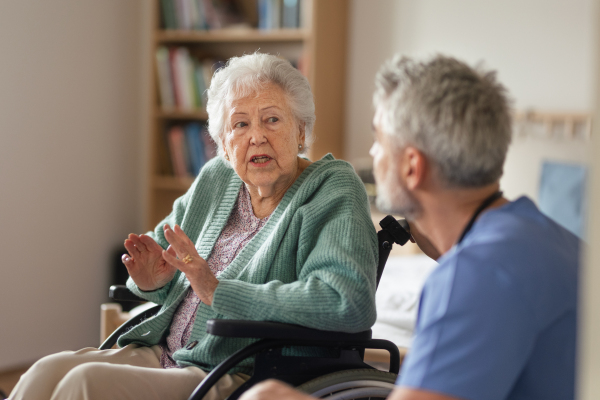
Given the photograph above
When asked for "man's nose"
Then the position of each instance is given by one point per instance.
(372, 150)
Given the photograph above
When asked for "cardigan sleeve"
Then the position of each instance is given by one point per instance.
(336, 262)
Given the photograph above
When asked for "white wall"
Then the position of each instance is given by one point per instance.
(70, 82)
(542, 49)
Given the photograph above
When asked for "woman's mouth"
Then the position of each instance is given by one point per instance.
(260, 159)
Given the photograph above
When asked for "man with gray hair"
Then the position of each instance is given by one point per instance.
(497, 317)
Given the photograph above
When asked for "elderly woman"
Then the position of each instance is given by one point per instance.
(262, 234)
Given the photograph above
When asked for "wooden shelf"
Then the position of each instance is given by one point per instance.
(181, 114)
(231, 36)
(164, 182)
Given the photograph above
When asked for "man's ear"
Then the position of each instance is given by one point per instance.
(412, 167)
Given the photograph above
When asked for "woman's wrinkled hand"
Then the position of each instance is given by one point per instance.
(182, 255)
(146, 264)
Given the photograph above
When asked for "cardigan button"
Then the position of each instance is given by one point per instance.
(146, 334)
(191, 345)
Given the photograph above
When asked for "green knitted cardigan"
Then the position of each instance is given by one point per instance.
(312, 264)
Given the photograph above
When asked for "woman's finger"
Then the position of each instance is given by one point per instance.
(131, 248)
(128, 261)
(180, 242)
(174, 261)
(150, 244)
(171, 251)
(182, 235)
(137, 242)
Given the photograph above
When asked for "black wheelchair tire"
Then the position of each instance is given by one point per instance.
(351, 384)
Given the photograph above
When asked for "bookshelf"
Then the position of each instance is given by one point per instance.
(320, 44)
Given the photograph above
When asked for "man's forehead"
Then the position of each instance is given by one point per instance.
(377, 120)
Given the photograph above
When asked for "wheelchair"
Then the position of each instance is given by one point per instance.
(342, 374)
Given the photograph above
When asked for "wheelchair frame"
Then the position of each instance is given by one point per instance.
(269, 361)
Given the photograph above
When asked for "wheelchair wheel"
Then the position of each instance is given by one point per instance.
(351, 384)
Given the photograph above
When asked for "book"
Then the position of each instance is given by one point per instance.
(182, 68)
(178, 150)
(210, 15)
(207, 71)
(195, 147)
(168, 14)
(290, 17)
(275, 13)
(179, 13)
(269, 14)
(199, 84)
(165, 165)
(165, 84)
(198, 15)
(306, 9)
(210, 147)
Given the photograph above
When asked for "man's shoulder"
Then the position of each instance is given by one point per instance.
(519, 226)
(515, 251)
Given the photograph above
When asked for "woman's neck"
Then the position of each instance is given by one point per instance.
(263, 206)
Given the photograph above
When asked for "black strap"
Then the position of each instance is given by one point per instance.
(495, 196)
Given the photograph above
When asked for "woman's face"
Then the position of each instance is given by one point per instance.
(261, 139)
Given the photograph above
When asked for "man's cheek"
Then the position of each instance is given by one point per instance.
(377, 169)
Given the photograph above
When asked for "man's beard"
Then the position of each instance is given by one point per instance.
(394, 198)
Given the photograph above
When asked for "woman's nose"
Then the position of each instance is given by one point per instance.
(257, 136)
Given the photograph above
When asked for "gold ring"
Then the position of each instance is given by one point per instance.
(187, 259)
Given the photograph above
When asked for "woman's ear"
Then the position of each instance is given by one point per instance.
(302, 133)
(224, 148)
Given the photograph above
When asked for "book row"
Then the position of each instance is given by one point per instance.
(182, 78)
(276, 14)
(219, 14)
(189, 148)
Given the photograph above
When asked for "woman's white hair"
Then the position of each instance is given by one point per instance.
(247, 75)
(458, 116)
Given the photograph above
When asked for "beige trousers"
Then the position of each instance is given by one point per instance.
(128, 373)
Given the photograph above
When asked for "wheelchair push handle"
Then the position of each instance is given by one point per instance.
(398, 229)
(392, 231)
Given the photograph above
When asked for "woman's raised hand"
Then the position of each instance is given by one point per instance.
(182, 255)
(145, 263)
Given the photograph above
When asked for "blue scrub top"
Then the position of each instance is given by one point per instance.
(497, 318)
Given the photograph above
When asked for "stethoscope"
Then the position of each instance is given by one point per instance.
(489, 200)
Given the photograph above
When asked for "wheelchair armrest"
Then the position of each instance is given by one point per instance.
(277, 330)
(121, 293)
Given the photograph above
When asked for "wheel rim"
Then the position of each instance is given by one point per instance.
(357, 384)
(364, 392)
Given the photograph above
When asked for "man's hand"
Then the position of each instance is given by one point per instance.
(274, 390)
(404, 393)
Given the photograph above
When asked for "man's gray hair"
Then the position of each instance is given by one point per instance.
(459, 117)
(247, 75)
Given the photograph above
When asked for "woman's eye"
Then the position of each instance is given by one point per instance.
(272, 119)
(240, 125)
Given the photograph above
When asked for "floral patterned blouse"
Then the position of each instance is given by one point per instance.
(241, 227)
